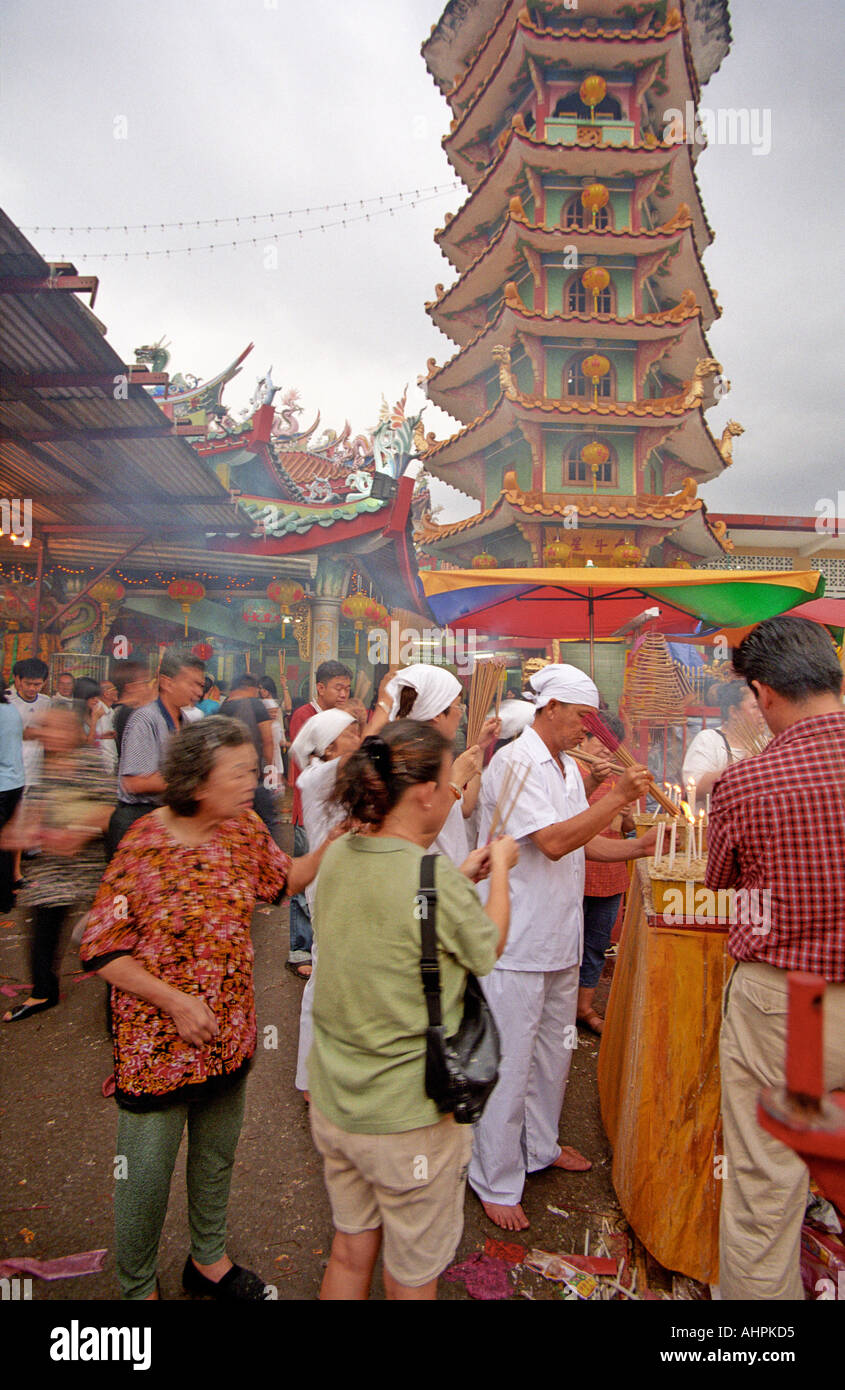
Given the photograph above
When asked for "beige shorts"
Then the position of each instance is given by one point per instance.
(411, 1184)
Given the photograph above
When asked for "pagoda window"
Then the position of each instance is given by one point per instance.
(575, 215)
(572, 105)
(575, 383)
(579, 300)
(575, 470)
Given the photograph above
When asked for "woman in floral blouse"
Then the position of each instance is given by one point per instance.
(170, 931)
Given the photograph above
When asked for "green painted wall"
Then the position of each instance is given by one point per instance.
(620, 205)
(516, 456)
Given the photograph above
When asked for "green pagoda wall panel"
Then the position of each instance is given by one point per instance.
(524, 373)
(623, 281)
(516, 456)
(620, 205)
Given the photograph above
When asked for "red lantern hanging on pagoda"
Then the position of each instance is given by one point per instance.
(592, 92)
(186, 592)
(627, 555)
(556, 553)
(484, 561)
(595, 279)
(594, 455)
(203, 651)
(595, 367)
(594, 197)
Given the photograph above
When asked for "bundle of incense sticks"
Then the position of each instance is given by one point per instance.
(754, 737)
(512, 783)
(485, 689)
(596, 725)
(589, 761)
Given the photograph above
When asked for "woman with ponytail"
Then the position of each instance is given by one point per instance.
(395, 1168)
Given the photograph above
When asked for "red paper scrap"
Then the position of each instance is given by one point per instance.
(482, 1277)
(89, 975)
(10, 990)
(65, 1267)
(592, 1264)
(108, 1086)
(501, 1250)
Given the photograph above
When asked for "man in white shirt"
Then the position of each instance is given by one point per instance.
(29, 677)
(533, 991)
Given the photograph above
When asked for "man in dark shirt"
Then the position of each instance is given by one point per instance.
(777, 835)
(243, 703)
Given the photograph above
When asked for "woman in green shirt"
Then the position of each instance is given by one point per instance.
(395, 1168)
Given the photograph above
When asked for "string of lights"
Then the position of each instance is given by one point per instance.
(255, 217)
(150, 253)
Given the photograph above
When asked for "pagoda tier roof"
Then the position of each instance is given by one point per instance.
(682, 511)
(459, 388)
(527, 42)
(460, 460)
(489, 199)
(457, 43)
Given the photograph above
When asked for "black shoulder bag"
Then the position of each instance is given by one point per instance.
(461, 1071)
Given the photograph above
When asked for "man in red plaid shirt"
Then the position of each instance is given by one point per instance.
(777, 831)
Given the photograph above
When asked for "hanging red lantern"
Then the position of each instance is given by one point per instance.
(185, 592)
(592, 92)
(359, 608)
(284, 592)
(595, 279)
(595, 367)
(557, 553)
(627, 555)
(594, 455)
(595, 197)
(203, 650)
(484, 561)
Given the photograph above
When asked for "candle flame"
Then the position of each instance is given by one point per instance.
(688, 813)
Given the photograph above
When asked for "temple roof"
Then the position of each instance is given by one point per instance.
(459, 36)
(669, 165)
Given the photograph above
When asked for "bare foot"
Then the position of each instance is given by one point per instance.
(593, 1021)
(509, 1218)
(571, 1161)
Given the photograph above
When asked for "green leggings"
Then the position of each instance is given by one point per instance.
(149, 1142)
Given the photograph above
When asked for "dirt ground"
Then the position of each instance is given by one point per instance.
(56, 1169)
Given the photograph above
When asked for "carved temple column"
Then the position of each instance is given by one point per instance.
(331, 584)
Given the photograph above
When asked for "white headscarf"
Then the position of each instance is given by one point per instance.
(564, 683)
(436, 689)
(515, 715)
(317, 733)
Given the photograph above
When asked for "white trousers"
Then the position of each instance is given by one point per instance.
(518, 1133)
(306, 1025)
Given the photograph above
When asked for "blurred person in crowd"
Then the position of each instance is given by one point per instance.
(714, 750)
(134, 688)
(170, 932)
(431, 694)
(268, 692)
(333, 681)
(394, 1166)
(211, 701)
(11, 790)
(64, 814)
(106, 738)
(87, 692)
(777, 831)
(322, 747)
(63, 693)
(146, 734)
(533, 992)
(28, 678)
(243, 702)
(605, 884)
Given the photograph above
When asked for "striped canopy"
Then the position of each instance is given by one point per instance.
(595, 603)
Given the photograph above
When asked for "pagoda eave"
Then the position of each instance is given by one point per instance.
(457, 40)
(617, 50)
(501, 179)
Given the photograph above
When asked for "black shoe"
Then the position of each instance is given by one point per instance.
(27, 1010)
(238, 1283)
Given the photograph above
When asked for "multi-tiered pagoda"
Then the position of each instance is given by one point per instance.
(579, 313)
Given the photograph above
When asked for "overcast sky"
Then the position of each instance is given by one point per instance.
(162, 112)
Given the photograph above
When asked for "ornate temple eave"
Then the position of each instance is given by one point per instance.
(488, 201)
(501, 249)
(466, 27)
(504, 257)
(695, 449)
(459, 389)
(607, 49)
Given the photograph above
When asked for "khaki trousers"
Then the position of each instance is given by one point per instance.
(765, 1184)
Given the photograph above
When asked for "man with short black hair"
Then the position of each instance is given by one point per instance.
(334, 683)
(777, 831)
(145, 739)
(28, 676)
(63, 689)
